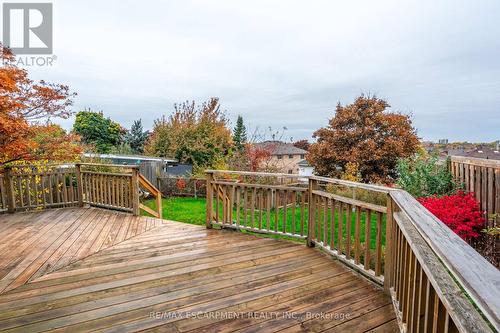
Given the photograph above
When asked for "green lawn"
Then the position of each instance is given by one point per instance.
(191, 210)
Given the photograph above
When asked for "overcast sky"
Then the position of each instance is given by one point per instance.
(285, 63)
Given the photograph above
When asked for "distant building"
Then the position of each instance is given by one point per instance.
(443, 141)
(485, 152)
(283, 156)
(454, 152)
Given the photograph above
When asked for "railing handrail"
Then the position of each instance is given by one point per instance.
(476, 161)
(450, 294)
(479, 278)
(143, 181)
(288, 187)
(256, 174)
(370, 187)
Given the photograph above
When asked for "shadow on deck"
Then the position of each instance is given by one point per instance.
(88, 269)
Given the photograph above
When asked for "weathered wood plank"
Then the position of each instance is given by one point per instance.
(479, 278)
(182, 268)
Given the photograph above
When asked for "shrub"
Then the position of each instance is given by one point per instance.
(424, 176)
(180, 184)
(460, 212)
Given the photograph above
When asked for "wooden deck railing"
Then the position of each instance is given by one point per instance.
(26, 187)
(152, 190)
(437, 282)
(246, 202)
(109, 186)
(348, 228)
(482, 177)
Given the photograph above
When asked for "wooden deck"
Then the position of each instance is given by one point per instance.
(95, 270)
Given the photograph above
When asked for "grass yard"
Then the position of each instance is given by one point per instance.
(191, 210)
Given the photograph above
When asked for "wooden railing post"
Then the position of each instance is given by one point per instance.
(9, 187)
(79, 184)
(135, 191)
(311, 212)
(209, 207)
(389, 245)
(159, 208)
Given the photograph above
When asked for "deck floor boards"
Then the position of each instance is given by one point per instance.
(98, 270)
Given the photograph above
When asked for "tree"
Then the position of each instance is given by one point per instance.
(23, 101)
(98, 131)
(54, 144)
(196, 134)
(302, 144)
(366, 134)
(240, 134)
(136, 137)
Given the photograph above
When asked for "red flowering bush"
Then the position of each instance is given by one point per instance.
(181, 184)
(459, 211)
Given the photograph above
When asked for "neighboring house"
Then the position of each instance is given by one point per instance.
(285, 157)
(484, 152)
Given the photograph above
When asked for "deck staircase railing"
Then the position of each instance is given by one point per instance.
(145, 184)
(437, 282)
(118, 187)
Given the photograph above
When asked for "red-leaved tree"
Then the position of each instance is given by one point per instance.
(23, 101)
(364, 133)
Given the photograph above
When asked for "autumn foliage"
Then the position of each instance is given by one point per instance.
(460, 212)
(22, 102)
(196, 134)
(366, 134)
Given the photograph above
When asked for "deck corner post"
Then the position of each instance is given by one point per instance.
(79, 184)
(209, 208)
(9, 186)
(311, 216)
(135, 191)
(159, 205)
(389, 249)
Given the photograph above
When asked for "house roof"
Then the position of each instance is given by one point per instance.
(484, 152)
(456, 152)
(281, 148)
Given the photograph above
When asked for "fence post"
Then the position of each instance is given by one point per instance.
(79, 184)
(389, 244)
(209, 208)
(159, 206)
(311, 212)
(9, 187)
(135, 191)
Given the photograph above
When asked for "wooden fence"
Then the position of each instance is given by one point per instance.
(27, 187)
(437, 282)
(482, 177)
